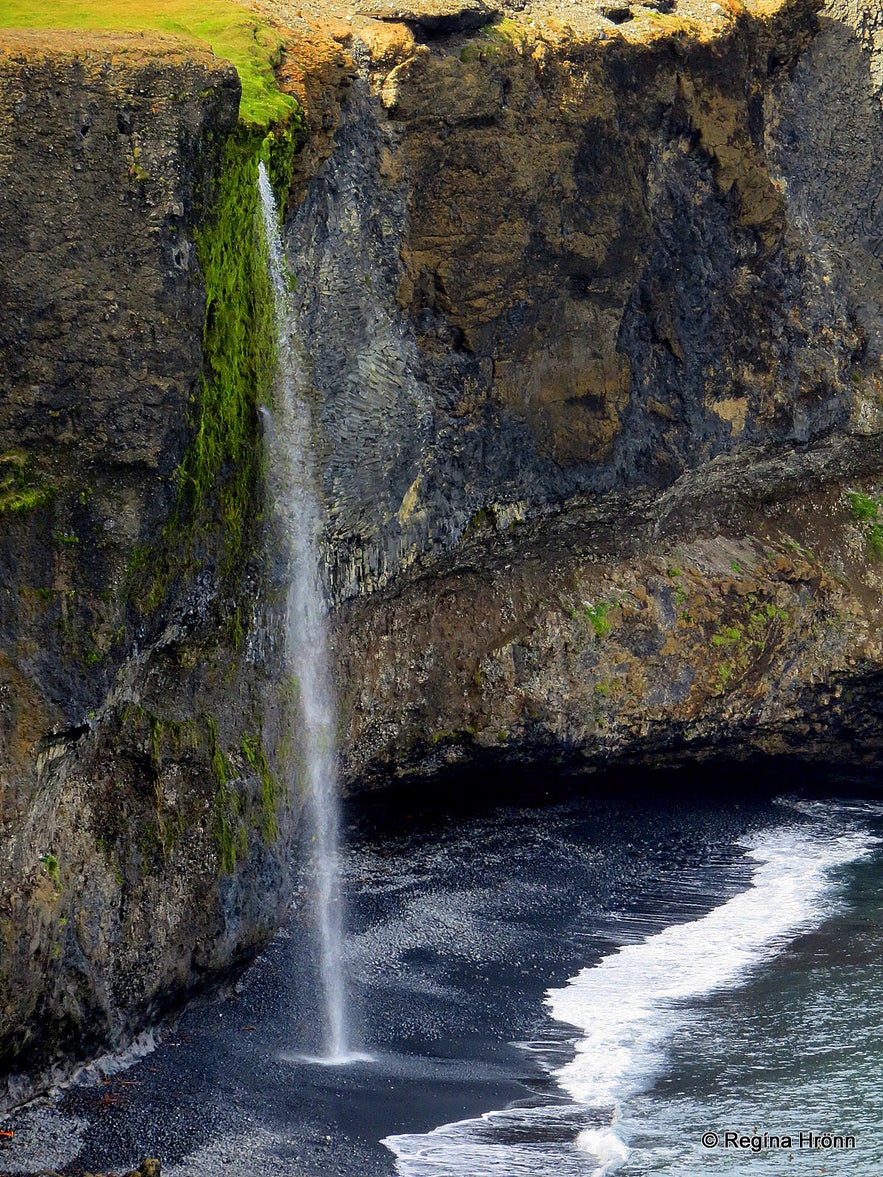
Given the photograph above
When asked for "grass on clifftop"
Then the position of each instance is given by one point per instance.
(228, 29)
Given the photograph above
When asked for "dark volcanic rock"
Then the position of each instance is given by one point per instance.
(432, 16)
(114, 897)
(594, 299)
(538, 266)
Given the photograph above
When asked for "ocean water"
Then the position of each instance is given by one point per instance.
(586, 986)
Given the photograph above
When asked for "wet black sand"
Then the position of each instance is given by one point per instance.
(458, 923)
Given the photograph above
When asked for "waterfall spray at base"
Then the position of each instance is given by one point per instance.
(296, 506)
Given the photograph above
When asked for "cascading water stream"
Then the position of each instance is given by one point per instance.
(306, 632)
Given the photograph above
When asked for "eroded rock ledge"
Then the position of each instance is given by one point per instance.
(736, 616)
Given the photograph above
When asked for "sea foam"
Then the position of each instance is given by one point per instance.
(628, 1005)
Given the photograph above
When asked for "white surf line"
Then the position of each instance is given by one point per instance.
(627, 1006)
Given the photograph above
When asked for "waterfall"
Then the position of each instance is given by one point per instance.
(296, 506)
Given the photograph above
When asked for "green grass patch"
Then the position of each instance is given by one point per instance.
(598, 617)
(504, 30)
(864, 507)
(491, 41)
(867, 510)
(228, 29)
(729, 636)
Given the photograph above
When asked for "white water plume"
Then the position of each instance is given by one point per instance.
(296, 505)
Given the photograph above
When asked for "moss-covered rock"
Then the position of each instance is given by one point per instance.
(146, 835)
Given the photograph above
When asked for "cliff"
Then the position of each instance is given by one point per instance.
(592, 303)
(144, 839)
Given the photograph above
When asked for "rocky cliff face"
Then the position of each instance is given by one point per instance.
(546, 262)
(705, 623)
(592, 305)
(144, 844)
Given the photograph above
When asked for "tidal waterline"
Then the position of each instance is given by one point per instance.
(628, 1006)
(461, 922)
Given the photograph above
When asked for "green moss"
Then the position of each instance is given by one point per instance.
(219, 478)
(864, 507)
(155, 736)
(729, 636)
(867, 511)
(20, 488)
(136, 170)
(91, 654)
(505, 30)
(238, 345)
(743, 644)
(29, 499)
(234, 628)
(139, 559)
(50, 865)
(493, 41)
(440, 737)
(253, 751)
(597, 616)
(230, 833)
(219, 762)
(278, 151)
